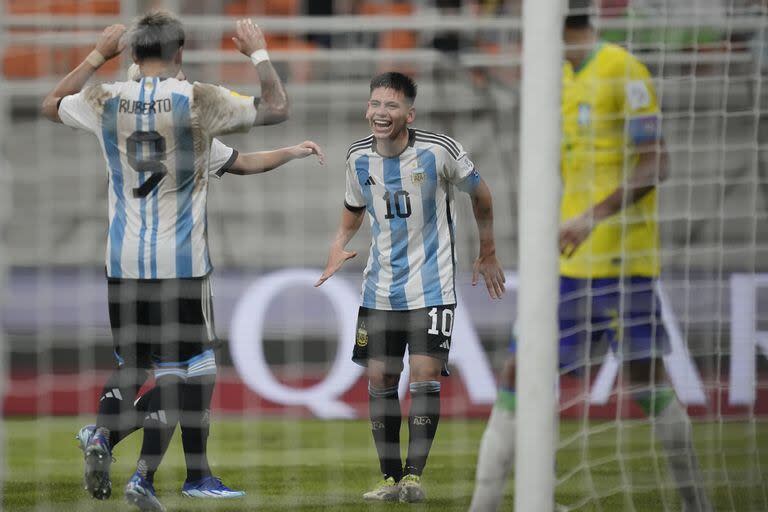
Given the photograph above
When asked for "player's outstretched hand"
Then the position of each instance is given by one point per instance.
(111, 41)
(248, 37)
(573, 232)
(336, 259)
(490, 268)
(307, 148)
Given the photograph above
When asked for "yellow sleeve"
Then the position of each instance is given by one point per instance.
(640, 105)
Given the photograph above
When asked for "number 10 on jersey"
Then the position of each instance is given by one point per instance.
(402, 204)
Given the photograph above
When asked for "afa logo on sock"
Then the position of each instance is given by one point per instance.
(422, 420)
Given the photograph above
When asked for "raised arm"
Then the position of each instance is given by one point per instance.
(651, 169)
(264, 161)
(273, 105)
(486, 263)
(351, 219)
(109, 45)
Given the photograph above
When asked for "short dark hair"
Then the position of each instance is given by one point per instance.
(578, 17)
(157, 35)
(397, 82)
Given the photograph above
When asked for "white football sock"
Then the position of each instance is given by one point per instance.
(673, 429)
(497, 454)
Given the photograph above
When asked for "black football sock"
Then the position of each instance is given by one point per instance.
(422, 424)
(116, 411)
(141, 405)
(384, 407)
(159, 424)
(195, 422)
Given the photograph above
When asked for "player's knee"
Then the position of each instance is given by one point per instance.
(425, 368)
(381, 380)
(424, 374)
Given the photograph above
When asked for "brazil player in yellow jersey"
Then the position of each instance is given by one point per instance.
(612, 159)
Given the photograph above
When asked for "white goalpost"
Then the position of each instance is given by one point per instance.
(538, 256)
(707, 64)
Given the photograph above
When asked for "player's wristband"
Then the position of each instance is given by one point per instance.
(95, 59)
(259, 56)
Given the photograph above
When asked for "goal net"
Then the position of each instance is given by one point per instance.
(290, 411)
(704, 315)
(289, 421)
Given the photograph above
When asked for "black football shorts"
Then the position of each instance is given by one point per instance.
(384, 335)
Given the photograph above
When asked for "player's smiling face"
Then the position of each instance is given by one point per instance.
(389, 113)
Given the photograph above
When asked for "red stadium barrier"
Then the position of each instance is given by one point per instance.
(73, 394)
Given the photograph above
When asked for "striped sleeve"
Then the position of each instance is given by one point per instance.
(354, 199)
(457, 167)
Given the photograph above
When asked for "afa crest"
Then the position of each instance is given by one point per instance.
(418, 176)
(362, 336)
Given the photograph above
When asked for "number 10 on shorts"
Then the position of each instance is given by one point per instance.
(447, 322)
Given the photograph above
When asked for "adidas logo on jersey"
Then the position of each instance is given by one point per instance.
(370, 181)
(446, 345)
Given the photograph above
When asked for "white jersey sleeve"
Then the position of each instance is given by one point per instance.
(76, 110)
(221, 158)
(458, 168)
(457, 165)
(354, 199)
(221, 111)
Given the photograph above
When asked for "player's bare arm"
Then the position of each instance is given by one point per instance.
(264, 161)
(350, 223)
(651, 169)
(108, 46)
(486, 264)
(273, 105)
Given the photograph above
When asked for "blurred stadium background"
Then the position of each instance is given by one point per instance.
(709, 59)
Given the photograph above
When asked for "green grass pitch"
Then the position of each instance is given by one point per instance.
(306, 465)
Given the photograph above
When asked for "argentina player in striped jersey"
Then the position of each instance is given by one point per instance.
(405, 180)
(223, 160)
(156, 136)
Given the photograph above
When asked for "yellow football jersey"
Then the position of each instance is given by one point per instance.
(606, 105)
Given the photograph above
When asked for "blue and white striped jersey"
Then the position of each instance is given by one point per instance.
(157, 139)
(409, 199)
